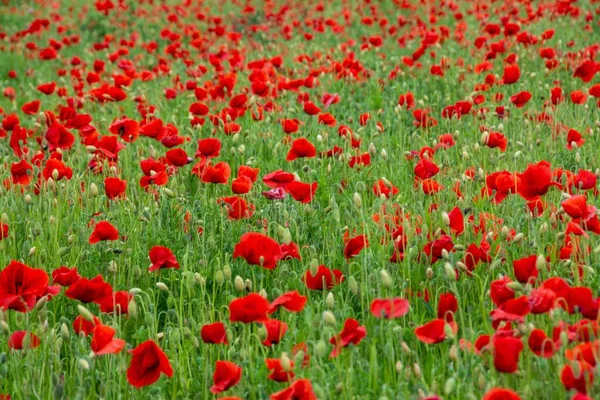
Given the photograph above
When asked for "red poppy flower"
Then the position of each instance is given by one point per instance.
(162, 257)
(434, 331)
(21, 172)
(447, 307)
(208, 148)
(126, 128)
(390, 308)
(62, 171)
(576, 207)
(103, 230)
(506, 353)
(278, 179)
(535, 180)
(59, 137)
(258, 249)
(83, 326)
(104, 342)
(301, 148)
(520, 99)
(147, 363)
(237, 207)
(512, 73)
(577, 375)
(214, 333)
(252, 308)
(275, 331)
(300, 389)
(17, 339)
(218, 173)
(501, 394)
(435, 248)
(65, 276)
(115, 302)
(574, 137)
(525, 269)
(3, 231)
(457, 221)
(302, 192)
(353, 333)
(114, 187)
(290, 125)
(541, 345)
(426, 169)
(323, 279)
(290, 251)
(277, 373)
(89, 290)
(354, 246)
(227, 375)
(177, 158)
(241, 185)
(291, 301)
(22, 286)
(385, 188)
(31, 108)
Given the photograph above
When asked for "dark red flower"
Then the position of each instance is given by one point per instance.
(302, 192)
(291, 301)
(227, 374)
(300, 389)
(16, 341)
(252, 308)
(162, 257)
(65, 276)
(147, 363)
(258, 249)
(323, 279)
(353, 333)
(354, 246)
(22, 286)
(277, 373)
(506, 353)
(104, 342)
(275, 331)
(103, 230)
(214, 333)
(89, 290)
(390, 308)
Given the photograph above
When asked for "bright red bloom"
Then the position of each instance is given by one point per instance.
(501, 394)
(354, 246)
(218, 173)
(147, 363)
(301, 148)
(541, 345)
(21, 172)
(580, 380)
(278, 178)
(252, 308)
(214, 333)
(104, 342)
(103, 230)
(275, 331)
(353, 333)
(520, 99)
(291, 301)
(258, 249)
(390, 308)
(237, 207)
(447, 307)
(506, 353)
(62, 171)
(126, 128)
(82, 325)
(115, 302)
(89, 290)
(323, 279)
(300, 389)
(302, 192)
(15, 341)
(162, 257)
(525, 269)
(208, 148)
(241, 185)
(227, 374)
(434, 331)
(278, 374)
(114, 187)
(65, 276)
(59, 137)
(22, 286)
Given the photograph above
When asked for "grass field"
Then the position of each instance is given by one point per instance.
(299, 199)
